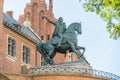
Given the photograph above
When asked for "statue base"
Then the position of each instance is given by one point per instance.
(67, 71)
(62, 67)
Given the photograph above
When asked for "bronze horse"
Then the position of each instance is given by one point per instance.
(48, 49)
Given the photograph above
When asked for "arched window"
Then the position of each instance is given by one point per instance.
(27, 21)
(27, 15)
(41, 22)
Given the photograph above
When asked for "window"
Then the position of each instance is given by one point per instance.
(11, 47)
(26, 54)
(42, 37)
(70, 58)
(43, 62)
(48, 37)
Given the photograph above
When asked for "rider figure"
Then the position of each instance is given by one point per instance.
(60, 27)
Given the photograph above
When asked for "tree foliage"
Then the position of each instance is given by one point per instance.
(109, 11)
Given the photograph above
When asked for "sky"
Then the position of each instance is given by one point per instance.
(102, 52)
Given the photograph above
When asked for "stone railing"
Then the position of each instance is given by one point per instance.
(70, 70)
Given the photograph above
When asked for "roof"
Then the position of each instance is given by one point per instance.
(11, 23)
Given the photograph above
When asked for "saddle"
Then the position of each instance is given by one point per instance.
(55, 40)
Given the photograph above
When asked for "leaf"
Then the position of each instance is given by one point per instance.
(109, 11)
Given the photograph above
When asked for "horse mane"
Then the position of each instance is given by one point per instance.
(71, 26)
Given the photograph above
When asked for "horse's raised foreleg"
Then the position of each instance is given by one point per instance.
(40, 49)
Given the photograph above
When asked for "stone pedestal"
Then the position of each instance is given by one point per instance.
(70, 71)
(69, 68)
(63, 68)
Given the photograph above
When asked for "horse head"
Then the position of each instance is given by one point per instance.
(74, 27)
(77, 28)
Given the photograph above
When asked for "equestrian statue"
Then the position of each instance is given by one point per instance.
(63, 39)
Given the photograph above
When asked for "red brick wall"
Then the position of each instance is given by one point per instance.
(59, 58)
(1, 33)
(65, 78)
(1, 12)
(11, 65)
(21, 18)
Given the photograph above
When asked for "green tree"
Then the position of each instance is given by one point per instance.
(109, 11)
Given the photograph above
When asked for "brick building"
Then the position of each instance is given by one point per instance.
(17, 45)
(18, 38)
